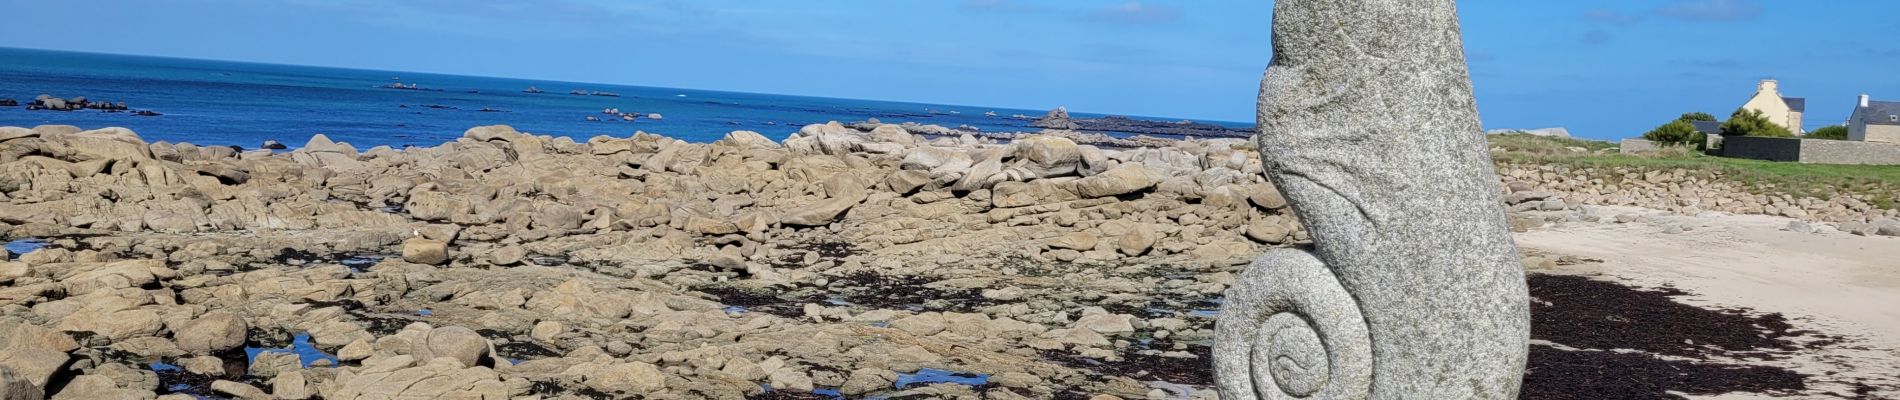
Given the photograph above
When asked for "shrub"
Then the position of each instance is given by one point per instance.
(1832, 132)
(1675, 133)
(1696, 116)
(1746, 122)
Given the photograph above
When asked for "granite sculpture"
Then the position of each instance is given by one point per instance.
(1413, 287)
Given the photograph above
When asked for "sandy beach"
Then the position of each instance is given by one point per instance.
(1828, 281)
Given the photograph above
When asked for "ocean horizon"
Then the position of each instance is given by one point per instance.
(212, 102)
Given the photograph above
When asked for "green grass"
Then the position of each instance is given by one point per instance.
(1533, 144)
(1880, 184)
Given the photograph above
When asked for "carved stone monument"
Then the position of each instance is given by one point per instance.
(1414, 288)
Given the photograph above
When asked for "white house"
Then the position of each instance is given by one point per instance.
(1784, 111)
(1875, 121)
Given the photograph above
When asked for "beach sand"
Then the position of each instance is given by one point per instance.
(1828, 281)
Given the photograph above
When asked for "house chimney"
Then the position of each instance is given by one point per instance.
(1769, 86)
(1863, 100)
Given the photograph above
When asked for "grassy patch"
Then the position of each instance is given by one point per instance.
(1878, 184)
(1545, 145)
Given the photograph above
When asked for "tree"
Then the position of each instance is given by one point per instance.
(1832, 132)
(1746, 122)
(1675, 133)
(1696, 116)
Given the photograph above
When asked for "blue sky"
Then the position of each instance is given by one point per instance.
(1604, 69)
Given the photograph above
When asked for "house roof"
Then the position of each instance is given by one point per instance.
(1797, 104)
(1708, 127)
(1880, 113)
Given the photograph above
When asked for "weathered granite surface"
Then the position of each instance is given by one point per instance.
(1413, 289)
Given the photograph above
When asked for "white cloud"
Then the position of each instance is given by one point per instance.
(1711, 10)
(1135, 13)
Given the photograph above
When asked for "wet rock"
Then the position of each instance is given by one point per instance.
(1268, 233)
(824, 211)
(633, 377)
(1107, 324)
(709, 226)
(291, 385)
(355, 351)
(925, 324)
(88, 387)
(400, 377)
(114, 325)
(204, 365)
(1267, 197)
(1046, 156)
(907, 181)
(1020, 194)
(1079, 241)
(790, 379)
(1122, 179)
(1137, 240)
(239, 390)
(866, 380)
(270, 363)
(1003, 294)
(425, 251)
(461, 344)
(546, 331)
(12, 270)
(214, 332)
(13, 386)
(507, 255)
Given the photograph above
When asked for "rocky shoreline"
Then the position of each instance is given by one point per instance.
(840, 261)
(51, 103)
(1059, 119)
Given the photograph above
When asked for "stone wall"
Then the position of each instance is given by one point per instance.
(1846, 152)
(1811, 151)
(1762, 148)
(1676, 190)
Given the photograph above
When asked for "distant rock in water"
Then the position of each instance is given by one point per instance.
(9, 103)
(1177, 128)
(50, 102)
(273, 145)
(1056, 119)
(1059, 119)
(1551, 132)
(412, 86)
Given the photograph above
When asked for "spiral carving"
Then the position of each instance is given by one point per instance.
(1413, 288)
(1289, 330)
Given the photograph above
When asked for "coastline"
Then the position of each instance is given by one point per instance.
(849, 261)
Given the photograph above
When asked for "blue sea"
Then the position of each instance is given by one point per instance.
(243, 104)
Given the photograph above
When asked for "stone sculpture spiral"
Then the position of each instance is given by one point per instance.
(1413, 288)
